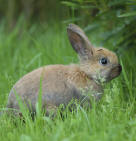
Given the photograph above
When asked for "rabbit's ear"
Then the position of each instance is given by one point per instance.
(80, 42)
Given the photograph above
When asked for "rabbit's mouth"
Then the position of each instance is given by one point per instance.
(107, 75)
(115, 71)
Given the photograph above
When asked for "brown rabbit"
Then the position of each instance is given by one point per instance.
(62, 83)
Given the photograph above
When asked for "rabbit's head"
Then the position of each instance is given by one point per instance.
(98, 64)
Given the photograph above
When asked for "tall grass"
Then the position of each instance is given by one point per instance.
(112, 118)
(32, 11)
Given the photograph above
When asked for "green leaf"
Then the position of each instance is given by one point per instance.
(75, 5)
(128, 14)
(70, 4)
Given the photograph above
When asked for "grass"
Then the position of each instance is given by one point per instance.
(112, 118)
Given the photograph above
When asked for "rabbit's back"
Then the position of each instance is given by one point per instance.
(51, 80)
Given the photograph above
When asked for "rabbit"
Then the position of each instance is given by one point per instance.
(62, 83)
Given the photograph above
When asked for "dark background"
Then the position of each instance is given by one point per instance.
(115, 20)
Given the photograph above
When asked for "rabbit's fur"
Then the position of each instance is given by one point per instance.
(62, 83)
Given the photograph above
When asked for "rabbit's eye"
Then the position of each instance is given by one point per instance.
(103, 61)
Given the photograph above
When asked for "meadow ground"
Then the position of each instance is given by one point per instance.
(113, 118)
